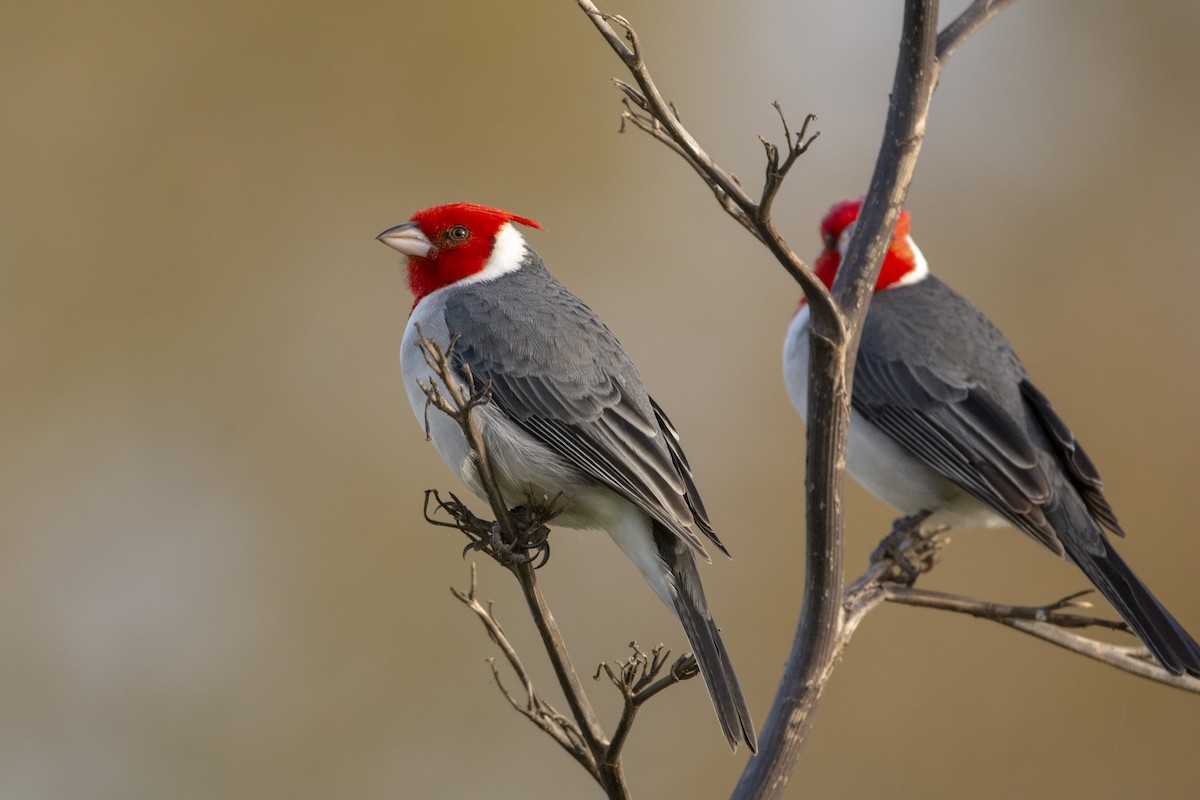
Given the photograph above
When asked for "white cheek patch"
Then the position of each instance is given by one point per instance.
(920, 269)
(508, 253)
(844, 239)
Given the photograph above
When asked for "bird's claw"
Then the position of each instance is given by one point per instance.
(910, 550)
(514, 553)
(538, 547)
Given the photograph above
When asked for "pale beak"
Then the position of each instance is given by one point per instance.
(408, 239)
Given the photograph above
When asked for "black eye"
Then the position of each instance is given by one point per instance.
(458, 233)
(831, 242)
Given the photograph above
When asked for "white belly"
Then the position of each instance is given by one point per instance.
(522, 464)
(885, 468)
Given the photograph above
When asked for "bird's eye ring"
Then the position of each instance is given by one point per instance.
(458, 233)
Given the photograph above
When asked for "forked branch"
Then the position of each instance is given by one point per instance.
(911, 550)
(1055, 623)
(646, 109)
(965, 25)
(515, 541)
(638, 679)
(449, 396)
(835, 320)
(534, 708)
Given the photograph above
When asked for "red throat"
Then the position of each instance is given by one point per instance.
(462, 235)
(897, 262)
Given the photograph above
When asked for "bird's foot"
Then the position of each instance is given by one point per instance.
(534, 540)
(911, 549)
(532, 543)
(464, 519)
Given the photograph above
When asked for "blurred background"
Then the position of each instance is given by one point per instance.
(214, 576)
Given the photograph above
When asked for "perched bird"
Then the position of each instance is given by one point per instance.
(944, 419)
(568, 413)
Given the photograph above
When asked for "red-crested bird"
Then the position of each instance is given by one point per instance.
(945, 419)
(568, 413)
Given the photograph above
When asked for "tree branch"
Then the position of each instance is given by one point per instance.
(835, 321)
(965, 25)
(515, 541)
(449, 397)
(889, 578)
(638, 681)
(647, 110)
(537, 710)
(1049, 623)
(834, 346)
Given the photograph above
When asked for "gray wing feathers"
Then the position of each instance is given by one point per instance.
(1082, 472)
(691, 493)
(565, 379)
(970, 426)
(986, 427)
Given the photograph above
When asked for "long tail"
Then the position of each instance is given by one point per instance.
(705, 638)
(1162, 634)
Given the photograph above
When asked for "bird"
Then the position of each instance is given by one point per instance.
(946, 421)
(568, 415)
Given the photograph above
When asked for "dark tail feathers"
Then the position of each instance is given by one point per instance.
(1166, 639)
(702, 633)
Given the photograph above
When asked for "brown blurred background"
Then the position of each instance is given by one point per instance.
(214, 577)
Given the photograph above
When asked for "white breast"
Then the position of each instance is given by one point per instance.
(522, 463)
(877, 461)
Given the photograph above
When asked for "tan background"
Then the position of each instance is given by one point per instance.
(214, 578)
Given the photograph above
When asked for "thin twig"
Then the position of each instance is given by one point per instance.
(448, 395)
(834, 329)
(648, 111)
(535, 709)
(637, 678)
(835, 323)
(1050, 623)
(458, 406)
(521, 536)
(776, 172)
(887, 580)
(965, 25)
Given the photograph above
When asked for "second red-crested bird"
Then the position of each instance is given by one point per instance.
(945, 419)
(568, 413)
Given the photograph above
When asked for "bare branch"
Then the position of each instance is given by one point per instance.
(637, 678)
(1130, 659)
(834, 336)
(449, 396)
(888, 579)
(826, 620)
(614, 41)
(776, 172)
(1051, 624)
(515, 541)
(535, 709)
(965, 25)
(834, 342)
(660, 119)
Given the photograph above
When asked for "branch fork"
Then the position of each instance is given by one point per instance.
(831, 611)
(516, 540)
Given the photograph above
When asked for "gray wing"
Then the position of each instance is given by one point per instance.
(1079, 467)
(935, 375)
(565, 379)
(956, 427)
